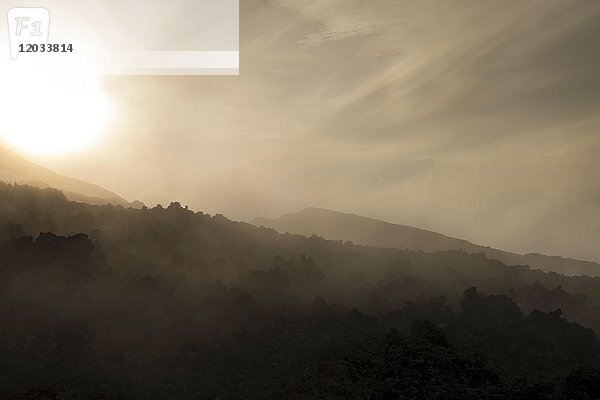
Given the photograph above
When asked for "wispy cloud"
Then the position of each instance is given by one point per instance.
(474, 118)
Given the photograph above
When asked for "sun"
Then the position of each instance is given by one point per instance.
(52, 115)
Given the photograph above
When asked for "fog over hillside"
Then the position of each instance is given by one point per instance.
(361, 230)
(448, 152)
(104, 302)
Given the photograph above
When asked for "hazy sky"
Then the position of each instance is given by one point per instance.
(478, 119)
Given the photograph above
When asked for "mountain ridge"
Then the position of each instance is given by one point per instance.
(337, 225)
(17, 169)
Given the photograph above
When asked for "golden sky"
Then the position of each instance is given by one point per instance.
(478, 119)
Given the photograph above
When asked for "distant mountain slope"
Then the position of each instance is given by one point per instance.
(14, 168)
(362, 230)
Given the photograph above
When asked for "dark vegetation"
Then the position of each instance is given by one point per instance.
(105, 302)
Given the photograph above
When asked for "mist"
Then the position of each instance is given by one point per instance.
(393, 200)
(476, 120)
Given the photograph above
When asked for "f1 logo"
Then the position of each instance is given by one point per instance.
(27, 26)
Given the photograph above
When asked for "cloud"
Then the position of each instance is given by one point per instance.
(477, 119)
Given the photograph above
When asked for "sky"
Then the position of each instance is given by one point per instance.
(477, 119)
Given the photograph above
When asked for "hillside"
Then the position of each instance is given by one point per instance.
(103, 302)
(14, 168)
(366, 231)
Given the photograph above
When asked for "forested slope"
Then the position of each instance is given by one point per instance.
(108, 302)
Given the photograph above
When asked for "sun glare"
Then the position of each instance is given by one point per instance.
(52, 115)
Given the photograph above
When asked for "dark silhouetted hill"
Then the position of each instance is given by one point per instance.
(366, 231)
(105, 302)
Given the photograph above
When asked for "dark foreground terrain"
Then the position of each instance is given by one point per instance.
(103, 302)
